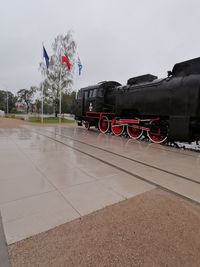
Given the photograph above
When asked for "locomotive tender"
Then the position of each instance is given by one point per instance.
(167, 108)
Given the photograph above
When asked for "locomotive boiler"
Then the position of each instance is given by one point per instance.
(162, 109)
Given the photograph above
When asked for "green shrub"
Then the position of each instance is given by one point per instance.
(13, 110)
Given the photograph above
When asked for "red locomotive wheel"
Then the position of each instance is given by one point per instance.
(87, 125)
(104, 124)
(134, 133)
(156, 135)
(116, 128)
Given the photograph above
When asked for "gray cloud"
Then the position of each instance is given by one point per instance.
(116, 39)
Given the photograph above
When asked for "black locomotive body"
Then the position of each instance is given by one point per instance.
(163, 108)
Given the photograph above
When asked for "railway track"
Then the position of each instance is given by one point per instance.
(181, 185)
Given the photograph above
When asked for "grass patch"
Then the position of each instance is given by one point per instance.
(49, 120)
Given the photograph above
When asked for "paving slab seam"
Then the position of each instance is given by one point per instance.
(26, 154)
(134, 160)
(123, 170)
(179, 195)
(55, 188)
(135, 175)
(58, 189)
(81, 215)
(156, 148)
(139, 162)
(25, 197)
(43, 174)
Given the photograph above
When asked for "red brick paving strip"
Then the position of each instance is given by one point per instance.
(152, 229)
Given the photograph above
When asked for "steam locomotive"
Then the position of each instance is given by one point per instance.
(162, 109)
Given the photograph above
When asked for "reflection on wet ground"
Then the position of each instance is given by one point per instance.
(44, 183)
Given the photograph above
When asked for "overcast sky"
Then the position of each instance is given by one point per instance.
(116, 39)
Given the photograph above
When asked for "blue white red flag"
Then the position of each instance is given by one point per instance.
(45, 55)
(80, 66)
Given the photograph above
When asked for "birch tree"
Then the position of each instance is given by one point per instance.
(58, 78)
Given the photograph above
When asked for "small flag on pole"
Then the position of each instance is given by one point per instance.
(66, 60)
(80, 66)
(45, 55)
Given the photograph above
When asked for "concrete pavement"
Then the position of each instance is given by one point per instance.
(44, 184)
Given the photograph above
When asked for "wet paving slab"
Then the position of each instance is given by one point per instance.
(170, 159)
(180, 162)
(166, 167)
(44, 184)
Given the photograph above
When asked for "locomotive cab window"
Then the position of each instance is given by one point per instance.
(101, 92)
(93, 93)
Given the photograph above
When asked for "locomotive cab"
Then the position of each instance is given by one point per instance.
(91, 100)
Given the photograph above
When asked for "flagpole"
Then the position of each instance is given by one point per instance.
(42, 118)
(42, 104)
(60, 94)
(79, 71)
(76, 81)
(60, 105)
(45, 55)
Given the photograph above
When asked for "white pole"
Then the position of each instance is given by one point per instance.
(75, 79)
(42, 102)
(60, 105)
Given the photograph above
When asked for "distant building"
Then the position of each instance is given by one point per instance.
(20, 107)
(2, 113)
